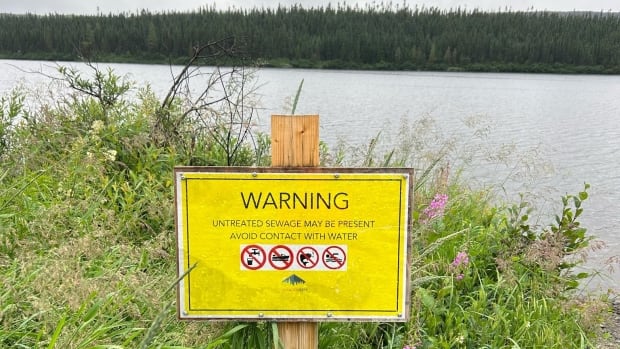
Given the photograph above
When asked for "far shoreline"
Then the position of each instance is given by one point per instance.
(537, 68)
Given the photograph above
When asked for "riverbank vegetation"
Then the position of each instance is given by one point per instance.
(381, 36)
(87, 242)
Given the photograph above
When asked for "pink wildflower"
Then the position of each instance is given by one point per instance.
(459, 263)
(436, 207)
(461, 258)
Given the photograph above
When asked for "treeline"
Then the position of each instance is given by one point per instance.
(380, 37)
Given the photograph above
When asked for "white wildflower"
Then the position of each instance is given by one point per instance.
(96, 126)
(110, 154)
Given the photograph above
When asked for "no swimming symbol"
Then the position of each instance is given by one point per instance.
(334, 257)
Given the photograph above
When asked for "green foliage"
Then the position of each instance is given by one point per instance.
(86, 234)
(106, 87)
(377, 36)
(514, 284)
(10, 108)
(361, 335)
(259, 335)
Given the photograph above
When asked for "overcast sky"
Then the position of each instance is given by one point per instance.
(115, 6)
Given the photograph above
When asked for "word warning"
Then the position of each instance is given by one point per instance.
(293, 257)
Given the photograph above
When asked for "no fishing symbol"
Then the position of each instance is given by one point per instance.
(307, 257)
(253, 257)
(334, 257)
(280, 257)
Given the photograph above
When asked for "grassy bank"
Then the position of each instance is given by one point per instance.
(87, 249)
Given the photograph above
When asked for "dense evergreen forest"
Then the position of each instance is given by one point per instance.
(379, 37)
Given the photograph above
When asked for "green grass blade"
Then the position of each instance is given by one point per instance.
(57, 332)
(276, 336)
(301, 84)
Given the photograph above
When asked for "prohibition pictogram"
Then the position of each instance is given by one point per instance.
(307, 257)
(280, 257)
(334, 257)
(253, 257)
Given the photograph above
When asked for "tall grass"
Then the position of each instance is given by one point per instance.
(87, 248)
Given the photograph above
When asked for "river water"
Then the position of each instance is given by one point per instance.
(542, 135)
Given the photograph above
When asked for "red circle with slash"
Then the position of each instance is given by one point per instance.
(334, 257)
(253, 257)
(280, 257)
(307, 257)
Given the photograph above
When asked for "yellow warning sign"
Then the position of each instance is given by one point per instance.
(278, 245)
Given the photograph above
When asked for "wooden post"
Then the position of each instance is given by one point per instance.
(295, 143)
(294, 140)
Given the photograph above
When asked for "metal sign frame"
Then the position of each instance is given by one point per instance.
(251, 246)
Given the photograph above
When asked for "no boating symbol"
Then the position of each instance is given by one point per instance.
(280, 257)
(293, 257)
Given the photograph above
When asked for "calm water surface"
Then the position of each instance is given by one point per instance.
(541, 134)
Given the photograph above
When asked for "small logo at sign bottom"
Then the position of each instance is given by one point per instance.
(294, 280)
